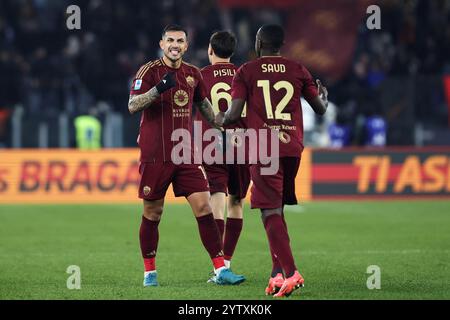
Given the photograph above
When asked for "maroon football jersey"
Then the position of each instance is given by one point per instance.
(218, 80)
(171, 111)
(272, 87)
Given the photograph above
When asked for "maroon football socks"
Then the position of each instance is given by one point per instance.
(149, 236)
(276, 266)
(279, 242)
(221, 226)
(210, 236)
(232, 233)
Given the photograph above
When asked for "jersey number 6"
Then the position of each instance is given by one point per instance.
(224, 94)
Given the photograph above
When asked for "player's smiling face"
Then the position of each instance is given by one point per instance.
(174, 44)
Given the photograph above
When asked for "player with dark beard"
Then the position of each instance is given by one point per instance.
(165, 91)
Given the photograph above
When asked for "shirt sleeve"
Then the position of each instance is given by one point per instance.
(239, 87)
(141, 82)
(309, 90)
(200, 92)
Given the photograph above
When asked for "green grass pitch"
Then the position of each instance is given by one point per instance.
(333, 244)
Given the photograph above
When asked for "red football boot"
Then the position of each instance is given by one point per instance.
(275, 284)
(290, 284)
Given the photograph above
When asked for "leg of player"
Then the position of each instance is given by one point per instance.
(218, 203)
(149, 236)
(210, 237)
(279, 242)
(233, 227)
(276, 277)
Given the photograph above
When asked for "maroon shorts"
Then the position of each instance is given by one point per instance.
(232, 178)
(274, 191)
(185, 178)
(217, 177)
(238, 180)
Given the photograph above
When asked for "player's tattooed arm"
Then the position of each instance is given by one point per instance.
(233, 113)
(205, 108)
(141, 102)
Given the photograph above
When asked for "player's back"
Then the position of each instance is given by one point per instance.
(218, 79)
(272, 87)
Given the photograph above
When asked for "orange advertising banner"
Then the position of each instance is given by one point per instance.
(388, 173)
(73, 176)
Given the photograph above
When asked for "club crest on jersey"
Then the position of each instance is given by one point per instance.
(181, 98)
(190, 81)
(284, 137)
(138, 84)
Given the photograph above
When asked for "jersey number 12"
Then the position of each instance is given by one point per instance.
(279, 114)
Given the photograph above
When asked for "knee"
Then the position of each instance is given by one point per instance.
(153, 212)
(203, 209)
(266, 213)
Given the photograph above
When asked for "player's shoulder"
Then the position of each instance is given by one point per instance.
(206, 69)
(190, 66)
(298, 64)
(217, 66)
(287, 61)
(144, 69)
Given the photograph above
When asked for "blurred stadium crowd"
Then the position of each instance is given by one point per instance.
(47, 69)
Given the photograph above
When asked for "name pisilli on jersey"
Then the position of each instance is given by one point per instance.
(218, 80)
(171, 111)
(272, 87)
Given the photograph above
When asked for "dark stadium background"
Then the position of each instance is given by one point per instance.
(60, 206)
(48, 72)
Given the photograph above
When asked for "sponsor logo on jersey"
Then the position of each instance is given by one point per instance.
(181, 98)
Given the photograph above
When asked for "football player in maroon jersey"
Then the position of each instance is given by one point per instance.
(272, 87)
(232, 179)
(165, 90)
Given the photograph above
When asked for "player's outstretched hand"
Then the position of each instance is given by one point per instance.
(166, 83)
(323, 92)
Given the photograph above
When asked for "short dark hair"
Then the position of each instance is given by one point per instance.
(223, 44)
(272, 36)
(174, 27)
